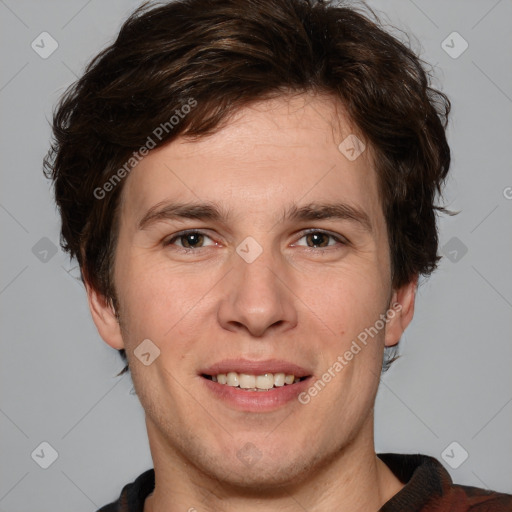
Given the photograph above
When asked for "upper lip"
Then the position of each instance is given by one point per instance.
(256, 367)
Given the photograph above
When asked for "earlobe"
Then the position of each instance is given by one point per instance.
(401, 312)
(105, 318)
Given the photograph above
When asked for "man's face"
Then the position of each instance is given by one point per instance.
(256, 284)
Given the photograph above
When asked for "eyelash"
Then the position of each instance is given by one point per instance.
(338, 238)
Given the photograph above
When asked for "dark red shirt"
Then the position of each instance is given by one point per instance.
(428, 488)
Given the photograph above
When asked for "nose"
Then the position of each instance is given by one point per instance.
(257, 297)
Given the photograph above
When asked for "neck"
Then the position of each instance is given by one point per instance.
(354, 480)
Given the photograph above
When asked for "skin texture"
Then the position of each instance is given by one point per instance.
(296, 302)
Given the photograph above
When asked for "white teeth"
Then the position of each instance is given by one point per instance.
(232, 379)
(279, 379)
(289, 379)
(262, 382)
(246, 381)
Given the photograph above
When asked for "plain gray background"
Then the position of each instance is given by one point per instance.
(453, 382)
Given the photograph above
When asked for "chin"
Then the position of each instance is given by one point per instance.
(251, 472)
(265, 476)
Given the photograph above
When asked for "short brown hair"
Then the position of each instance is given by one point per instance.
(225, 55)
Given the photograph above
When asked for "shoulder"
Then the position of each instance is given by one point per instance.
(481, 500)
(429, 487)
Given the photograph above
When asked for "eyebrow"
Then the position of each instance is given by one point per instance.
(213, 212)
(327, 211)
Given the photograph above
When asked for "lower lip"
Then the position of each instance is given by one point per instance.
(257, 401)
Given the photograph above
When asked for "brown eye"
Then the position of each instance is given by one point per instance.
(321, 239)
(189, 240)
(317, 239)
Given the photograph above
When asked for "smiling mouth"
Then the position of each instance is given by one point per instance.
(247, 382)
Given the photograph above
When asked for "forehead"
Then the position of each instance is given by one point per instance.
(285, 127)
(285, 150)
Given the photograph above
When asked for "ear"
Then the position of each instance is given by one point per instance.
(402, 304)
(104, 318)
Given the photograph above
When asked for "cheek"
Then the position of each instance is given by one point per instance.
(152, 299)
(347, 299)
(169, 307)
